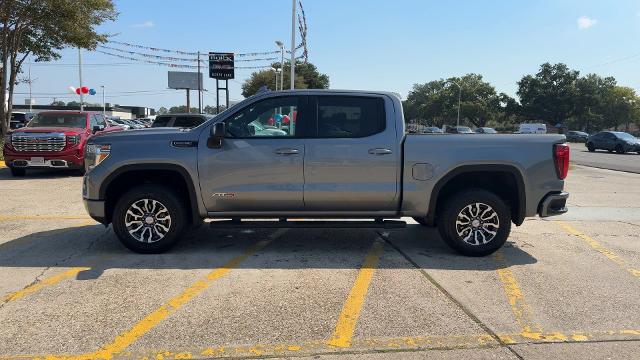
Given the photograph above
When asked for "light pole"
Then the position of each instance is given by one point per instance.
(293, 44)
(281, 46)
(80, 76)
(275, 71)
(104, 109)
(459, 96)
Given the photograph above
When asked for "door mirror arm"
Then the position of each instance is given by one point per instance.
(216, 136)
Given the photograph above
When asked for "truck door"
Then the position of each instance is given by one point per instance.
(260, 164)
(351, 163)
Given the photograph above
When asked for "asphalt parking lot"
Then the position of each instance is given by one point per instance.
(568, 287)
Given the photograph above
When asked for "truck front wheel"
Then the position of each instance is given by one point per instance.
(475, 222)
(149, 219)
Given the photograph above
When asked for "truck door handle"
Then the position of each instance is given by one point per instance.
(287, 151)
(380, 151)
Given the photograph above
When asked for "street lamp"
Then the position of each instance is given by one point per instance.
(459, 95)
(275, 71)
(104, 109)
(280, 44)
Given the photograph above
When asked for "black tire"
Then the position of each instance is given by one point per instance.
(18, 172)
(458, 203)
(591, 147)
(175, 207)
(620, 149)
(421, 220)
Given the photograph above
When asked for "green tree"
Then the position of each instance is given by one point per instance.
(620, 107)
(550, 94)
(307, 77)
(212, 109)
(181, 109)
(163, 110)
(591, 91)
(58, 103)
(436, 102)
(41, 28)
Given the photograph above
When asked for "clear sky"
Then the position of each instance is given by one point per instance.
(372, 44)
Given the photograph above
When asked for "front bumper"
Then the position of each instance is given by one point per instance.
(66, 159)
(96, 209)
(553, 204)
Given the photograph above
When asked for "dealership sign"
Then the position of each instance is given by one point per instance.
(221, 66)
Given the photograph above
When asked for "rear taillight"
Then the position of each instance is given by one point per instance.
(561, 157)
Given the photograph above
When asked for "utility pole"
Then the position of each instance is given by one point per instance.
(199, 87)
(30, 95)
(293, 44)
(80, 76)
(104, 108)
(281, 46)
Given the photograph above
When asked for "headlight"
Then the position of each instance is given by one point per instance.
(97, 153)
(73, 139)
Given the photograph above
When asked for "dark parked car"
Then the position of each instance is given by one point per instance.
(577, 136)
(432, 130)
(486, 130)
(180, 120)
(459, 130)
(617, 141)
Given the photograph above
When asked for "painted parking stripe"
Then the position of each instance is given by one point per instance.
(519, 306)
(43, 283)
(351, 310)
(2, 164)
(600, 248)
(122, 341)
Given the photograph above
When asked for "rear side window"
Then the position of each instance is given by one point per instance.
(349, 116)
(161, 121)
(187, 121)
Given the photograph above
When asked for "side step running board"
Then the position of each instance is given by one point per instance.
(308, 224)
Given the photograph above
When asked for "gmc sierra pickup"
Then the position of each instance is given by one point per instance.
(340, 155)
(53, 139)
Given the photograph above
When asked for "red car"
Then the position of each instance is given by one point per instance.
(53, 139)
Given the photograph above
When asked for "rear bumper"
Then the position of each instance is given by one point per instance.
(96, 209)
(553, 204)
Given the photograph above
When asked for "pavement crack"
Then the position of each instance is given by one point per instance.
(451, 298)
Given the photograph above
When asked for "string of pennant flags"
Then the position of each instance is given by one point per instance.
(249, 54)
(172, 65)
(172, 58)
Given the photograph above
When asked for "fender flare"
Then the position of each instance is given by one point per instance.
(522, 198)
(193, 198)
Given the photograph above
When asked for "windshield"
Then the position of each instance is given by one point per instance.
(59, 120)
(489, 131)
(464, 129)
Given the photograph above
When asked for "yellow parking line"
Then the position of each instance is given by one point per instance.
(2, 164)
(600, 248)
(351, 310)
(519, 306)
(41, 284)
(122, 341)
(362, 345)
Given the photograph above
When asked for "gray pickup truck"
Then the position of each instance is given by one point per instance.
(321, 154)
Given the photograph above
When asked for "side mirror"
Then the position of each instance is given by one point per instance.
(216, 135)
(97, 128)
(252, 130)
(18, 126)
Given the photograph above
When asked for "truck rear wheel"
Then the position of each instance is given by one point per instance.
(149, 219)
(475, 222)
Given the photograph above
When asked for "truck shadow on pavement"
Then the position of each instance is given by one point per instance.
(40, 174)
(97, 248)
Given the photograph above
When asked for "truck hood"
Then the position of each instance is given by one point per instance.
(53, 129)
(148, 134)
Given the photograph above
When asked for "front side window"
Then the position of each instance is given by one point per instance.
(59, 120)
(349, 116)
(275, 117)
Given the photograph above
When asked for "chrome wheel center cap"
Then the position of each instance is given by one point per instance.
(149, 220)
(475, 223)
